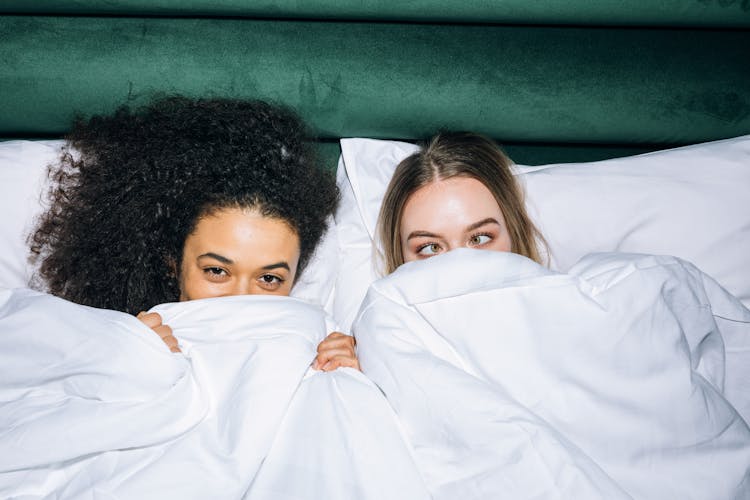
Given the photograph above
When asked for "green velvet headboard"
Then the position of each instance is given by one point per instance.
(552, 80)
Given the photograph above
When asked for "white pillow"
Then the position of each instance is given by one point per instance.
(362, 191)
(23, 194)
(315, 284)
(692, 202)
(23, 169)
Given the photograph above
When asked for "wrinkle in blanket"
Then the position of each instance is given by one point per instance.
(625, 391)
(205, 423)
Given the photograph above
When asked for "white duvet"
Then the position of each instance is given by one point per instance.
(93, 405)
(625, 378)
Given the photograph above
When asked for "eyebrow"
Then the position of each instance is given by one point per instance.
(471, 227)
(276, 265)
(218, 257)
(476, 225)
(224, 260)
(421, 234)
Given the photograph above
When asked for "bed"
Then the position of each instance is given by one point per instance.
(629, 123)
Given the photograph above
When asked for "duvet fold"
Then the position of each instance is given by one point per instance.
(95, 406)
(624, 378)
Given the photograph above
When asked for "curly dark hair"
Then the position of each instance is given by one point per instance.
(131, 186)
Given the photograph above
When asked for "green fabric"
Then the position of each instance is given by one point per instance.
(523, 154)
(717, 13)
(328, 152)
(518, 84)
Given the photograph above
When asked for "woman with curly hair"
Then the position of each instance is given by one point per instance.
(185, 199)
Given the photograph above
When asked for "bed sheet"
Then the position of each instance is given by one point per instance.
(95, 406)
(624, 378)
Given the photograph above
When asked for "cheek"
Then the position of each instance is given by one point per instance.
(407, 253)
(184, 281)
(284, 290)
(502, 244)
(191, 288)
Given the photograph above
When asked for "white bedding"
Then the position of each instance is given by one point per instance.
(93, 405)
(622, 379)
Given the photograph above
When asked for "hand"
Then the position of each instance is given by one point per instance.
(153, 321)
(335, 351)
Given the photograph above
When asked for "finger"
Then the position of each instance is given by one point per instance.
(337, 335)
(319, 361)
(163, 331)
(340, 361)
(323, 358)
(151, 320)
(344, 342)
(328, 354)
(340, 336)
(171, 342)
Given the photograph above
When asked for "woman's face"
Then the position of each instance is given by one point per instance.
(238, 252)
(459, 212)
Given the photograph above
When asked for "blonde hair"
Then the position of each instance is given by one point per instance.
(459, 154)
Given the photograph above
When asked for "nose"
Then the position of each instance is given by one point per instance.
(454, 243)
(243, 286)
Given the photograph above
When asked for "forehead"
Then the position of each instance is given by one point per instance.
(243, 234)
(449, 202)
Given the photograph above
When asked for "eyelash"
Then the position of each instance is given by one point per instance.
(277, 279)
(476, 235)
(481, 234)
(213, 275)
(210, 271)
(422, 247)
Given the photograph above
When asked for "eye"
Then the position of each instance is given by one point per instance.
(215, 273)
(428, 250)
(270, 281)
(479, 239)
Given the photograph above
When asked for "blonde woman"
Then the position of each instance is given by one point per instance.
(457, 191)
(515, 381)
